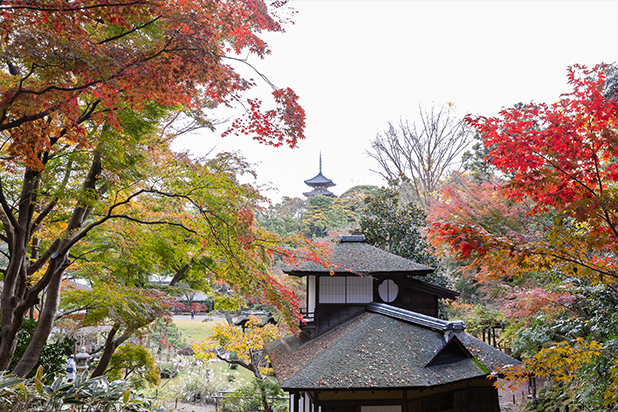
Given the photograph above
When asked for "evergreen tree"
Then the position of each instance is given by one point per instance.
(397, 227)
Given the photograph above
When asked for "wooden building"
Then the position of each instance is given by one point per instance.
(373, 342)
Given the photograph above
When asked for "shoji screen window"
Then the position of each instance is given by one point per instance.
(359, 290)
(346, 289)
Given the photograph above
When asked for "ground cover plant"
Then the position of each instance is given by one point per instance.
(97, 394)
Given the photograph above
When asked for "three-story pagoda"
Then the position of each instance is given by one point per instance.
(319, 184)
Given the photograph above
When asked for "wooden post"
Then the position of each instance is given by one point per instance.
(533, 381)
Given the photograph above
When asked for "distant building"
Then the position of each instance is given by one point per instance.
(319, 184)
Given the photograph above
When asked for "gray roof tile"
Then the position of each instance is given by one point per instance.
(377, 351)
(361, 258)
(319, 179)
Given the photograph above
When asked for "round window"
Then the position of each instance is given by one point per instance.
(388, 290)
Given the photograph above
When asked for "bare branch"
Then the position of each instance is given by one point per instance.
(424, 154)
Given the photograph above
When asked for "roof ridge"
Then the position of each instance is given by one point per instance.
(414, 317)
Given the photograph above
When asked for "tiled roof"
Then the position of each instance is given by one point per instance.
(361, 258)
(374, 350)
(321, 180)
(319, 192)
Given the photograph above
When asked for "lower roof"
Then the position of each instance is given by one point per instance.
(375, 350)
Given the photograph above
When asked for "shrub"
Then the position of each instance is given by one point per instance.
(135, 363)
(249, 398)
(168, 370)
(97, 394)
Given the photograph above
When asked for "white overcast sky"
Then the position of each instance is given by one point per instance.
(357, 65)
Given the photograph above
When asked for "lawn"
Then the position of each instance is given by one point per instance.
(196, 330)
(193, 377)
(243, 376)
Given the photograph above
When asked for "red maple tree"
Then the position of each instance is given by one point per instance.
(560, 159)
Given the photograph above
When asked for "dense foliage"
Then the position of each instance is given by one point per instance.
(133, 363)
(249, 398)
(544, 236)
(316, 217)
(395, 226)
(92, 95)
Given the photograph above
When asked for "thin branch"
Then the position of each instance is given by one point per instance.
(152, 222)
(233, 361)
(88, 112)
(129, 31)
(111, 215)
(24, 119)
(244, 61)
(71, 311)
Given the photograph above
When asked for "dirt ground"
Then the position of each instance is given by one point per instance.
(513, 400)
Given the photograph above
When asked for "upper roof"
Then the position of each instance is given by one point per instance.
(319, 180)
(379, 351)
(352, 254)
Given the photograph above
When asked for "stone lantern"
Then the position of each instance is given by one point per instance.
(81, 360)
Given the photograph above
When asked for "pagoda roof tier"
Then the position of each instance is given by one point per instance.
(319, 180)
(319, 192)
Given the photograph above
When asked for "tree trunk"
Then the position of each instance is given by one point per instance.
(46, 321)
(110, 346)
(228, 317)
(264, 395)
(11, 318)
(180, 274)
(8, 344)
(18, 296)
(15, 278)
